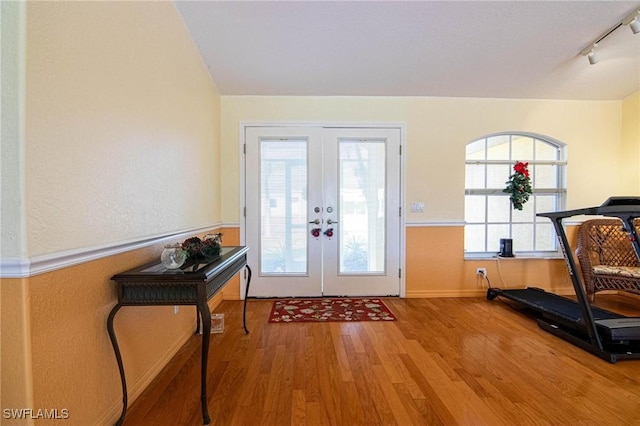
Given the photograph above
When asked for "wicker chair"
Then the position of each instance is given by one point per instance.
(606, 257)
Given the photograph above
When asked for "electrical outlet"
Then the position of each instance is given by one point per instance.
(481, 271)
(176, 309)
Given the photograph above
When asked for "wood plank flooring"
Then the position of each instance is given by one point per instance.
(464, 361)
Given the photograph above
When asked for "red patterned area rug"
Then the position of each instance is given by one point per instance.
(327, 310)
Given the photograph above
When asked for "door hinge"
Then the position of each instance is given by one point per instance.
(400, 211)
(244, 212)
(400, 149)
(244, 148)
(400, 273)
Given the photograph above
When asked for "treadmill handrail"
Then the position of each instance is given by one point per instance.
(620, 207)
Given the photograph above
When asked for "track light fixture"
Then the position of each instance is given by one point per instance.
(590, 53)
(632, 20)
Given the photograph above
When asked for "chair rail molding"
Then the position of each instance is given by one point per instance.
(13, 267)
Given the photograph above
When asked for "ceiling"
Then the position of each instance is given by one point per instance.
(480, 49)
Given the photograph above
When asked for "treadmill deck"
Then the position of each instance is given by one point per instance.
(567, 312)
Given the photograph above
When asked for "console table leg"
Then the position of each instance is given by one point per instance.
(116, 350)
(197, 319)
(206, 334)
(246, 296)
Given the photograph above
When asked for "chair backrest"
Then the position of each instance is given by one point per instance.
(606, 243)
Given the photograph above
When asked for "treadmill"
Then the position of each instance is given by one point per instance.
(609, 335)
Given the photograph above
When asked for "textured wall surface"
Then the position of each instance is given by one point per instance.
(435, 267)
(121, 144)
(631, 139)
(437, 131)
(12, 217)
(121, 125)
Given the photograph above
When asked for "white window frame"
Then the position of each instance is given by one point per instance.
(560, 189)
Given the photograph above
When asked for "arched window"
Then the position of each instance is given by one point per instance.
(488, 213)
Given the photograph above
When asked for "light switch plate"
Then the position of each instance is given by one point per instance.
(417, 207)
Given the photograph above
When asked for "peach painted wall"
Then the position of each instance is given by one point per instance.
(231, 237)
(435, 267)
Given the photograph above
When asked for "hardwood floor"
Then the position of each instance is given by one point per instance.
(450, 361)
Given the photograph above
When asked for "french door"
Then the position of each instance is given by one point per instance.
(323, 211)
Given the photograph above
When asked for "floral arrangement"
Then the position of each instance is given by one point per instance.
(205, 249)
(519, 185)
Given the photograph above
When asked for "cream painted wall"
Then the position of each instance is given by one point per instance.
(121, 141)
(121, 137)
(631, 139)
(437, 131)
(12, 171)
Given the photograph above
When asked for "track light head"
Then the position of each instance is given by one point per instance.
(590, 53)
(633, 21)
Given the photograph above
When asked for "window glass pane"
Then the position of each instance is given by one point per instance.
(545, 151)
(526, 214)
(497, 175)
(522, 148)
(546, 176)
(474, 208)
(494, 233)
(498, 147)
(475, 150)
(492, 207)
(283, 207)
(545, 204)
(474, 176)
(362, 206)
(498, 208)
(522, 237)
(474, 238)
(545, 237)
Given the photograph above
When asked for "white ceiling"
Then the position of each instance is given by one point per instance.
(497, 49)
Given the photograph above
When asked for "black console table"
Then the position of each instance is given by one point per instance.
(152, 284)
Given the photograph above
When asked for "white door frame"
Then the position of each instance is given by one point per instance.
(241, 150)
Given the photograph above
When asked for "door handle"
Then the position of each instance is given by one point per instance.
(315, 222)
(329, 221)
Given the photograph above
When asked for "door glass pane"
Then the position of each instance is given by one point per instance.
(283, 207)
(361, 226)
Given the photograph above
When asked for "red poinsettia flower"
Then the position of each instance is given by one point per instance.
(521, 167)
(519, 185)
